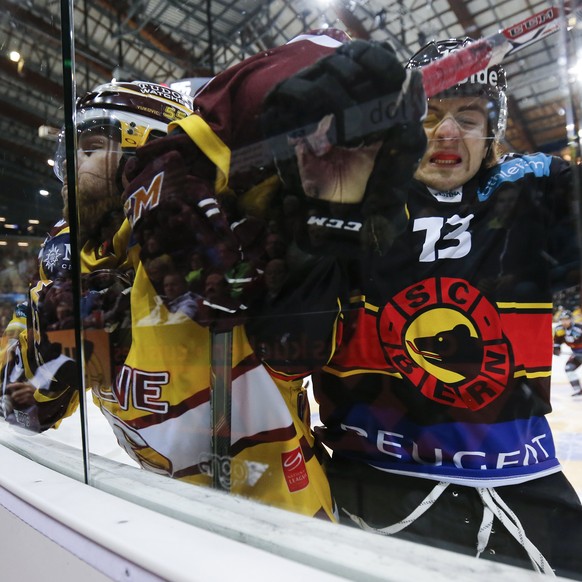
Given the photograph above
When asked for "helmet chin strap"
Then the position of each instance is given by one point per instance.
(489, 147)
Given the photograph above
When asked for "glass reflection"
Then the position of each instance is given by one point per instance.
(302, 235)
(30, 203)
(404, 264)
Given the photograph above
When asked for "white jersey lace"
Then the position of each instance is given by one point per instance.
(493, 506)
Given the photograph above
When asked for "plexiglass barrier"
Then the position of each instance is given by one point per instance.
(331, 267)
(33, 357)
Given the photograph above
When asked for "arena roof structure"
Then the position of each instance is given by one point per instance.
(168, 40)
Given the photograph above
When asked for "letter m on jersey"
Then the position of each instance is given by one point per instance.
(144, 199)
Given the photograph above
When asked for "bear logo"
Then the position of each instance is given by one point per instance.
(455, 350)
(445, 339)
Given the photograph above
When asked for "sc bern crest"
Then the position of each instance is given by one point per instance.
(445, 338)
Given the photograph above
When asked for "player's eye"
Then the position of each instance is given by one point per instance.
(469, 121)
(93, 143)
(431, 120)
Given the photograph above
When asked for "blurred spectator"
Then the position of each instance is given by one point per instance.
(275, 275)
(64, 313)
(10, 281)
(195, 277)
(177, 296)
(157, 269)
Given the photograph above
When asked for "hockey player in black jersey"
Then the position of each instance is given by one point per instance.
(434, 401)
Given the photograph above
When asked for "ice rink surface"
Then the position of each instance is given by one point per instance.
(566, 422)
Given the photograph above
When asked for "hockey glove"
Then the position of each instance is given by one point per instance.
(348, 131)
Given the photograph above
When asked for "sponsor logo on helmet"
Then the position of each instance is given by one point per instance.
(163, 91)
(486, 77)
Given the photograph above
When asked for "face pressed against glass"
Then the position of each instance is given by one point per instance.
(456, 129)
(468, 113)
(98, 157)
(96, 139)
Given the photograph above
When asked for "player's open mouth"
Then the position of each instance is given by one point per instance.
(445, 159)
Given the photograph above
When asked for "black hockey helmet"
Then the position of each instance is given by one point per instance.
(135, 112)
(490, 83)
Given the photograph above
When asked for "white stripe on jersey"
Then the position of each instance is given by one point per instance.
(185, 440)
(258, 403)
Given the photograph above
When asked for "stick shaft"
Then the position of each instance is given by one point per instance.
(221, 404)
(491, 50)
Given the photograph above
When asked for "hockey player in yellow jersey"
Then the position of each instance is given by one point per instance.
(147, 358)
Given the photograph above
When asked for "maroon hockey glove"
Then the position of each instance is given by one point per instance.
(362, 85)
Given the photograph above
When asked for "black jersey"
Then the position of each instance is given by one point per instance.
(444, 367)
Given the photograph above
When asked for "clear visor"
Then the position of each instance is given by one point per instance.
(99, 129)
(494, 104)
(97, 135)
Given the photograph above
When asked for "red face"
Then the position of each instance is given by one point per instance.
(456, 129)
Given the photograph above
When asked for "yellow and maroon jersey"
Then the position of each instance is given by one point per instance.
(155, 389)
(571, 336)
(157, 398)
(159, 409)
(159, 405)
(46, 348)
(226, 124)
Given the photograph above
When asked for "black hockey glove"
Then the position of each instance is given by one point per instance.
(347, 134)
(170, 200)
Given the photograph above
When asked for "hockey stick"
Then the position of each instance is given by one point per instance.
(488, 51)
(381, 114)
(220, 407)
(367, 121)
